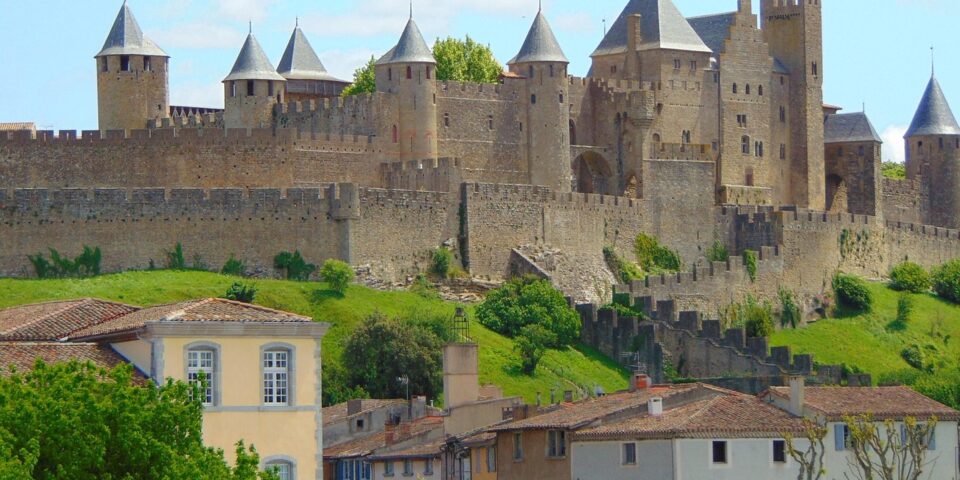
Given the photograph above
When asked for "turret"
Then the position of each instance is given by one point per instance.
(933, 155)
(408, 71)
(252, 89)
(794, 32)
(542, 62)
(132, 77)
(307, 78)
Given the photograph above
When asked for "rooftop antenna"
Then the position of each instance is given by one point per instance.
(604, 27)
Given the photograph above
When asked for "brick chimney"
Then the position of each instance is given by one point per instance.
(797, 394)
(354, 406)
(389, 433)
(404, 431)
(640, 382)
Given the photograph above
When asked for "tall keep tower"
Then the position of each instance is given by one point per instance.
(542, 62)
(794, 31)
(132, 77)
(933, 155)
(408, 70)
(252, 89)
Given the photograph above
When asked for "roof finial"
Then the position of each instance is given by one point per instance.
(540, 8)
(251, 27)
(298, 23)
(933, 62)
(411, 9)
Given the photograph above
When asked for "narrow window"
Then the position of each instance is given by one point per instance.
(840, 151)
(783, 152)
(428, 73)
(745, 145)
(104, 65)
(841, 437)
(270, 89)
(251, 88)
(630, 453)
(556, 443)
(561, 98)
(518, 446)
(446, 119)
(478, 461)
(428, 466)
(783, 114)
(779, 451)
(551, 70)
(147, 64)
(283, 470)
(390, 74)
(748, 89)
(693, 65)
(521, 126)
(781, 79)
(408, 467)
(719, 452)
(533, 99)
(409, 73)
(201, 361)
(124, 63)
(490, 122)
(276, 368)
(716, 77)
(360, 424)
(531, 72)
(941, 143)
(676, 64)
(233, 89)
(816, 71)
(395, 134)
(491, 459)
(388, 469)
(734, 88)
(613, 69)
(760, 90)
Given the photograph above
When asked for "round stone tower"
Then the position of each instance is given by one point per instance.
(132, 77)
(408, 70)
(544, 66)
(933, 155)
(252, 89)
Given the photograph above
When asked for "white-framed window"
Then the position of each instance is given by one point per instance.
(718, 452)
(202, 362)
(284, 470)
(276, 377)
(629, 454)
(556, 443)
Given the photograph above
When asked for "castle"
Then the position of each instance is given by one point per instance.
(690, 129)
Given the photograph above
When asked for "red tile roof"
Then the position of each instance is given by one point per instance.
(338, 412)
(23, 355)
(881, 402)
(430, 449)
(57, 320)
(203, 310)
(725, 416)
(362, 447)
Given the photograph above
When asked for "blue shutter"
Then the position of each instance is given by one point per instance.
(838, 437)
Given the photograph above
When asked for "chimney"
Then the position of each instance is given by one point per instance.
(389, 433)
(639, 383)
(796, 396)
(655, 406)
(354, 406)
(419, 407)
(634, 33)
(404, 431)
(568, 396)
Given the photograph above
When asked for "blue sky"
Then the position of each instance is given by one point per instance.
(876, 51)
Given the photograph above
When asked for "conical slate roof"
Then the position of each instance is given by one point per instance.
(933, 116)
(540, 45)
(126, 38)
(410, 49)
(300, 61)
(661, 24)
(253, 64)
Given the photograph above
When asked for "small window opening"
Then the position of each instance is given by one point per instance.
(860, 150)
(745, 145)
(124, 63)
(748, 89)
(409, 73)
(147, 64)
(941, 143)
(676, 64)
(269, 89)
(251, 88)
(104, 65)
(613, 69)
(551, 70)
(760, 90)
(782, 80)
(734, 88)
(561, 98)
(531, 72)
(521, 126)
(533, 99)
(490, 122)
(630, 453)
(783, 152)
(779, 451)
(814, 69)
(719, 452)
(446, 119)
(428, 73)
(360, 424)
(783, 114)
(396, 135)
(233, 89)
(390, 74)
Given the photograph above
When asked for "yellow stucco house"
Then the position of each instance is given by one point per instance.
(263, 365)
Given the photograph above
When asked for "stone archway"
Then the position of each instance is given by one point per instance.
(836, 194)
(593, 174)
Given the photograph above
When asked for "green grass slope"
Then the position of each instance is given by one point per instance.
(560, 370)
(870, 341)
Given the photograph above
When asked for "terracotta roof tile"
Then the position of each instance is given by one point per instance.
(881, 402)
(23, 355)
(725, 416)
(57, 320)
(203, 310)
(362, 447)
(338, 412)
(424, 450)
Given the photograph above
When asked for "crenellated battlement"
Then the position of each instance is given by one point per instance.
(537, 194)
(507, 92)
(681, 151)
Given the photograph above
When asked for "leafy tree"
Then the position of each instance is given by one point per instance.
(364, 80)
(240, 292)
(887, 451)
(946, 281)
(337, 274)
(175, 259)
(527, 301)
(294, 266)
(233, 267)
(465, 61)
(759, 320)
(909, 277)
(750, 263)
(851, 292)
(810, 459)
(382, 349)
(894, 170)
(531, 344)
(76, 421)
(335, 384)
(441, 262)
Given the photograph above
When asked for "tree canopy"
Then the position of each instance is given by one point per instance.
(364, 80)
(529, 301)
(75, 421)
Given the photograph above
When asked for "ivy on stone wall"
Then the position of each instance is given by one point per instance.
(750, 262)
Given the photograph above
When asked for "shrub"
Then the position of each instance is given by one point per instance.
(294, 266)
(718, 252)
(337, 274)
(623, 270)
(87, 264)
(530, 300)
(750, 262)
(909, 277)
(851, 292)
(946, 281)
(904, 309)
(653, 256)
(175, 260)
(789, 310)
(233, 267)
(421, 286)
(531, 344)
(759, 320)
(441, 262)
(240, 292)
(914, 357)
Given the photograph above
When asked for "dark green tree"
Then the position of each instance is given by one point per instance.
(294, 266)
(338, 275)
(531, 344)
(75, 421)
(527, 301)
(364, 80)
(465, 61)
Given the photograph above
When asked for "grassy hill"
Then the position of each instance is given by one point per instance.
(873, 342)
(498, 363)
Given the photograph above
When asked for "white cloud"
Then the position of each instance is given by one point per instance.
(254, 10)
(893, 145)
(199, 35)
(342, 63)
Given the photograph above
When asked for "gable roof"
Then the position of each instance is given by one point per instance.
(22, 356)
(300, 61)
(411, 48)
(338, 412)
(126, 37)
(364, 446)
(661, 24)
(713, 29)
(933, 116)
(57, 320)
(540, 45)
(849, 127)
(252, 63)
(725, 416)
(881, 402)
(209, 310)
